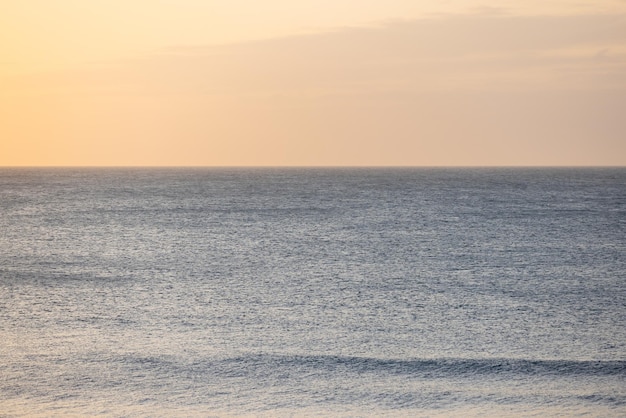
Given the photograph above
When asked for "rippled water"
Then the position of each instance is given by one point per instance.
(164, 292)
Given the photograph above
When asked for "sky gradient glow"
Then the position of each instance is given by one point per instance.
(312, 82)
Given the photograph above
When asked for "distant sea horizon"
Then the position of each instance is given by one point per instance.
(318, 166)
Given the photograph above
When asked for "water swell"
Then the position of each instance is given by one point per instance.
(427, 368)
(426, 383)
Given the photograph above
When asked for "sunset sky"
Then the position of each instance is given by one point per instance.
(312, 82)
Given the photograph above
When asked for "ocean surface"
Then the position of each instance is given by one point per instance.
(313, 292)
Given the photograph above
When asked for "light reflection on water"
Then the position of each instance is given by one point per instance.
(312, 292)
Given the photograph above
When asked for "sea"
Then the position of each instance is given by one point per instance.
(437, 292)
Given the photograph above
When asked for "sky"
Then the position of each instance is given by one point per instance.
(312, 83)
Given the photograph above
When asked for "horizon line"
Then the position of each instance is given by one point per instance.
(312, 166)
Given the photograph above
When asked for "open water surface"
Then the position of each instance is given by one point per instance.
(306, 292)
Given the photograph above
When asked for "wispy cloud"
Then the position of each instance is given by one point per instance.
(476, 51)
(470, 51)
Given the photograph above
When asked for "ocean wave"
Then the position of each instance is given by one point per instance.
(430, 368)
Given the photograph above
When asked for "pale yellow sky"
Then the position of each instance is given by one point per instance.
(341, 82)
(44, 34)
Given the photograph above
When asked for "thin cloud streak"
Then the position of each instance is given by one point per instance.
(458, 52)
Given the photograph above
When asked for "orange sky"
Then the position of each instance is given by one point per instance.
(313, 82)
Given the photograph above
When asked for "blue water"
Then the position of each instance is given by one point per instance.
(332, 292)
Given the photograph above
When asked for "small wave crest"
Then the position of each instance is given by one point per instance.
(419, 367)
